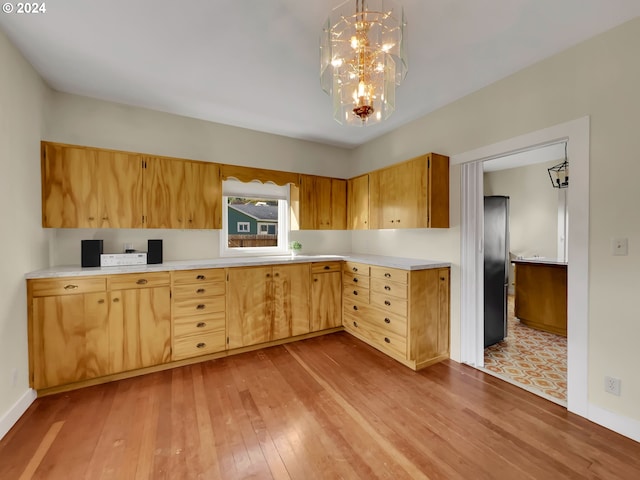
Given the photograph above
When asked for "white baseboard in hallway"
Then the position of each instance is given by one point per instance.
(11, 416)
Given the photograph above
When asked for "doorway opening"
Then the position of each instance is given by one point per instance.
(576, 133)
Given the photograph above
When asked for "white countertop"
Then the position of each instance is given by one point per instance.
(541, 260)
(379, 260)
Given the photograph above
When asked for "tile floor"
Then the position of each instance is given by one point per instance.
(532, 359)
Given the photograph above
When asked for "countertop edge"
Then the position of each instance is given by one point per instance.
(231, 262)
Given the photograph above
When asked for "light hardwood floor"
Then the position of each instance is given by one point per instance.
(326, 408)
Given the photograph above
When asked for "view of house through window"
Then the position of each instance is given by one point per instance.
(253, 222)
(254, 218)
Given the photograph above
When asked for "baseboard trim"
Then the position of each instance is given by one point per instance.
(623, 425)
(11, 416)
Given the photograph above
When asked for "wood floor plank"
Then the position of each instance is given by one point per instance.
(325, 408)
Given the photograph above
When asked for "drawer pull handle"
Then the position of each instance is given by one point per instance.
(355, 280)
(442, 278)
(142, 281)
(201, 325)
(386, 339)
(268, 275)
(355, 307)
(201, 277)
(355, 269)
(101, 301)
(355, 292)
(387, 320)
(387, 303)
(387, 288)
(387, 275)
(200, 306)
(327, 267)
(200, 291)
(116, 300)
(70, 287)
(355, 324)
(276, 275)
(201, 345)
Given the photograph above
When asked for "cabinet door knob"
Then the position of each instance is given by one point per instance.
(387, 320)
(355, 269)
(142, 281)
(315, 279)
(70, 287)
(355, 280)
(201, 325)
(355, 292)
(386, 339)
(355, 324)
(387, 303)
(387, 288)
(200, 306)
(91, 219)
(101, 301)
(442, 278)
(201, 277)
(387, 275)
(355, 307)
(268, 275)
(200, 291)
(276, 275)
(201, 345)
(116, 300)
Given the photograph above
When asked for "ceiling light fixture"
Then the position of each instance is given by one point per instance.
(559, 174)
(362, 59)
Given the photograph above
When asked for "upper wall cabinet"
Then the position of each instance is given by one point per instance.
(358, 203)
(319, 203)
(90, 188)
(93, 188)
(411, 194)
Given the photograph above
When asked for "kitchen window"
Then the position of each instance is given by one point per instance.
(254, 218)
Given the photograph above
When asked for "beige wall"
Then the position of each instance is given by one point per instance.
(599, 78)
(23, 243)
(533, 208)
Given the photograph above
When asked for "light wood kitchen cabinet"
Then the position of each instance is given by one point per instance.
(90, 188)
(358, 203)
(411, 194)
(404, 314)
(321, 203)
(182, 194)
(139, 320)
(326, 295)
(68, 330)
(267, 303)
(198, 312)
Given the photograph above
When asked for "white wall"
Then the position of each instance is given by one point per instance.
(599, 78)
(23, 243)
(533, 208)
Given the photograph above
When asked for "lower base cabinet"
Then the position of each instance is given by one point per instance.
(404, 314)
(326, 295)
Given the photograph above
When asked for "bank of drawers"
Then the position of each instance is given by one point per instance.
(375, 306)
(198, 303)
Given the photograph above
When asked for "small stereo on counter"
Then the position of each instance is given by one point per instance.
(122, 259)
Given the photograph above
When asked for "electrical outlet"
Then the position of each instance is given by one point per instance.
(612, 385)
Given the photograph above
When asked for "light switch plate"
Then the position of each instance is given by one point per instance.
(620, 246)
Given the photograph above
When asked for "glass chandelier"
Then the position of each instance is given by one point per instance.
(362, 59)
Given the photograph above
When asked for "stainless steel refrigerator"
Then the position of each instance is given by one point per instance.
(496, 268)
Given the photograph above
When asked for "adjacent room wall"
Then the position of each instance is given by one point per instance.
(23, 242)
(599, 78)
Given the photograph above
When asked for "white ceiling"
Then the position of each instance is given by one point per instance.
(254, 63)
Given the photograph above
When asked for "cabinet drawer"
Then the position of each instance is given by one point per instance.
(349, 278)
(385, 321)
(388, 303)
(198, 325)
(195, 345)
(198, 306)
(205, 290)
(380, 338)
(198, 276)
(48, 287)
(355, 267)
(391, 274)
(387, 287)
(321, 267)
(356, 292)
(138, 280)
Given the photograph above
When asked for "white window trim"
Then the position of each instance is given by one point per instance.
(246, 227)
(234, 188)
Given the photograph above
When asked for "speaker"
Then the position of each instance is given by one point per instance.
(154, 251)
(91, 251)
